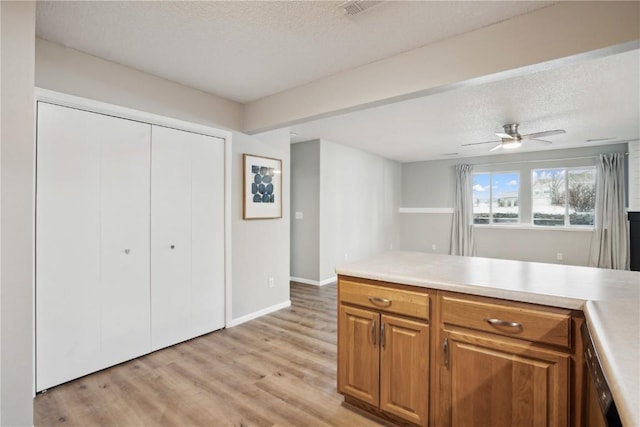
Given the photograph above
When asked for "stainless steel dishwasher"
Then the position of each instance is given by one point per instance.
(601, 408)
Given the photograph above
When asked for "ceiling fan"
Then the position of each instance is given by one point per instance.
(511, 138)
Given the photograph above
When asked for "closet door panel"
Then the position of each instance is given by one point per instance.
(207, 215)
(67, 243)
(170, 237)
(125, 278)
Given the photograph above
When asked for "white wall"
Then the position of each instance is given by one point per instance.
(16, 213)
(430, 185)
(359, 201)
(261, 246)
(76, 73)
(305, 198)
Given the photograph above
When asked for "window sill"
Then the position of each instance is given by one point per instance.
(532, 227)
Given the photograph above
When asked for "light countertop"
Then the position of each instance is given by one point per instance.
(610, 300)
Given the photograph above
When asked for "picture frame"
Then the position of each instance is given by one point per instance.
(261, 187)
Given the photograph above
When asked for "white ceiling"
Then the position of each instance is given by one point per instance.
(245, 50)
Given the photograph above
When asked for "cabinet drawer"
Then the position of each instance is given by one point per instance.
(519, 322)
(400, 301)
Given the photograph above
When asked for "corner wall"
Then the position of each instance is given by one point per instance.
(359, 201)
(305, 198)
(431, 184)
(17, 222)
(260, 246)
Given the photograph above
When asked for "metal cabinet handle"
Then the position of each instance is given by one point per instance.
(498, 322)
(378, 300)
(445, 352)
(382, 337)
(373, 332)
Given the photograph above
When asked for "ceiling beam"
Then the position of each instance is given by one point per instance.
(548, 37)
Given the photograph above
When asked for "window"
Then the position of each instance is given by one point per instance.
(496, 198)
(563, 197)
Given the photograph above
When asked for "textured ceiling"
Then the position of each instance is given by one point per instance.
(245, 50)
(595, 99)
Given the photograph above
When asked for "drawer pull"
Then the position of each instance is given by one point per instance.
(378, 300)
(498, 322)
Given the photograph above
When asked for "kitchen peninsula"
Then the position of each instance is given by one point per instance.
(445, 316)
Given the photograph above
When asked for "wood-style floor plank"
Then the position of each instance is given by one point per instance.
(278, 370)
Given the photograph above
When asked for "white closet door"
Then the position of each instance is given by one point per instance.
(207, 234)
(170, 237)
(82, 187)
(125, 234)
(67, 245)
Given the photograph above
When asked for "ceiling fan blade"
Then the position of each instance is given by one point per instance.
(496, 147)
(478, 143)
(540, 140)
(505, 135)
(543, 134)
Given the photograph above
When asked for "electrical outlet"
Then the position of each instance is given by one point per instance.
(299, 215)
(559, 256)
(271, 282)
(433, 247)
(346, 257)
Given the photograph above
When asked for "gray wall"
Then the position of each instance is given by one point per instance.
(16, 226)
(359, 201)
(69, 71)
(430, 185)
(260, 247)
(305, 198)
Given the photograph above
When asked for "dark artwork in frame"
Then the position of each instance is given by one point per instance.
(262, 187)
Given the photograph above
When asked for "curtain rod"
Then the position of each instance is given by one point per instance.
(538, 161)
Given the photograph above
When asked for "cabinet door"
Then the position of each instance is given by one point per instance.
(404, 369)
(359, 354)
(170, 238)
(496, 382)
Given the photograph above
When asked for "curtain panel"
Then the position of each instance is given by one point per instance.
(462, 232)
(610, 242)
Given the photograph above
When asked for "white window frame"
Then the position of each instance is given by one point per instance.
(567, 221)
(491, 221)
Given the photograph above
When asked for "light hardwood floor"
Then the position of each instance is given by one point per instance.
(279, 369)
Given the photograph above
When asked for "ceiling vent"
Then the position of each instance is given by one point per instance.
(356, 7)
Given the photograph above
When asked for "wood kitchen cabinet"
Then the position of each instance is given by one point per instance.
(502, 363)
(383, 349)
(488, 362)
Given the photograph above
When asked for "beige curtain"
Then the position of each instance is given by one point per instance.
(462, 233)
(610, 242)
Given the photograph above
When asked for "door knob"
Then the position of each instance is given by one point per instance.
(172, 246)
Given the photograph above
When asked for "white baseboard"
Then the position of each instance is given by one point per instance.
(314, 282)
(259, 313)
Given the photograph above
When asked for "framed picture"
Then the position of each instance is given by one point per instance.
(262, 187)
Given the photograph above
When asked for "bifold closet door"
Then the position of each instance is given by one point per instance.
(92, 242)
(187, 236)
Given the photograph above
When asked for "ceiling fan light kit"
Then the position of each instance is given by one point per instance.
(511, 138)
